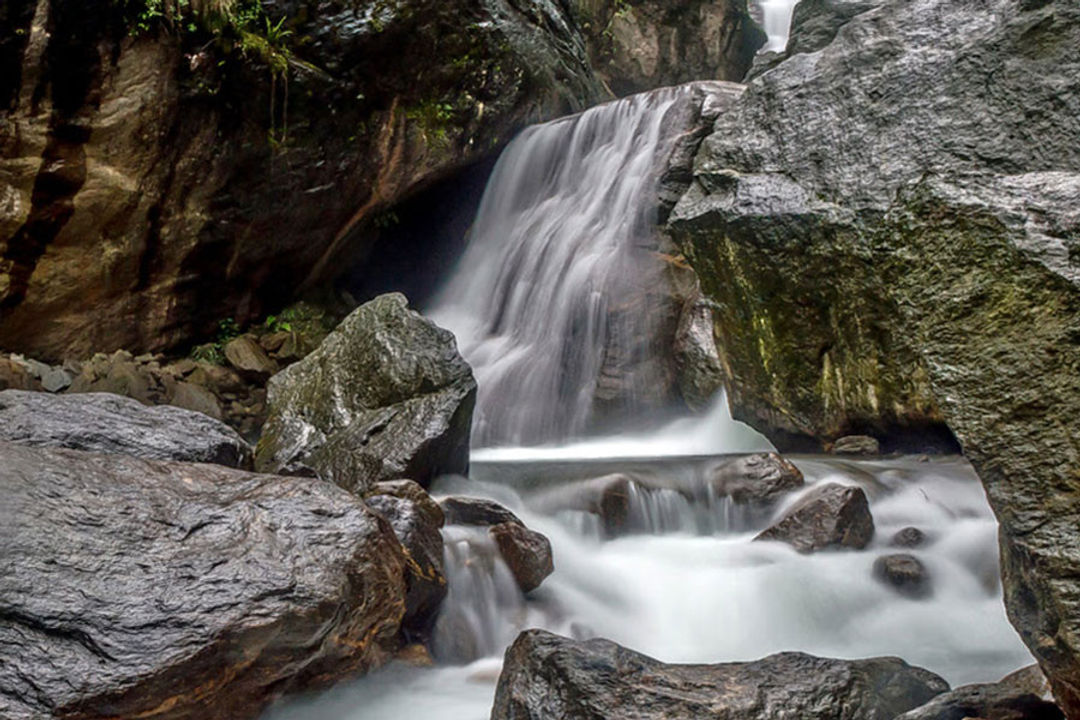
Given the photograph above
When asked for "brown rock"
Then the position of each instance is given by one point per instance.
(247, 356)
(526, 552)
(856, 445)
(909, 537)
(755, 479)
(460, 510)
(905, 573)
(832, 516)
(15, 377)
(195, 397)
(414, 493)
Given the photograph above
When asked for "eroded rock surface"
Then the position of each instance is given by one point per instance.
(385, 396)
(828, 517)
(184, 590)
(546, 676)
(105, 423)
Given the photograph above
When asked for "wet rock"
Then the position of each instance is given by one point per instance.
(904, 573)
(918, 269)
(909, 537)
(461, 510)
(414, 493)
(755, 479)
(247, 356)
(607, 497)
(147, 140)
(425, 583)
(856, 445)
(385, 396)
(186, 590)
(526, 552)
(1023, 695)
(546, 676)
(104, 423)
(828, 517)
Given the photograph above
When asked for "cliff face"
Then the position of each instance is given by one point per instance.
(889, 229)
(156, 181)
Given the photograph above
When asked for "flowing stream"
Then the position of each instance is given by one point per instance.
(558, 235)
(777, 22)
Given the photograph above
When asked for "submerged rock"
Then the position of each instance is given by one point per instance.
(909, 537)
(904, 573)
(105, 423)
(546, 676)
(385, 396)
(828, 517)
(184, 590)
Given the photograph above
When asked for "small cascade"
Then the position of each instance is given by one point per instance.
(563, 246)
(777, 22)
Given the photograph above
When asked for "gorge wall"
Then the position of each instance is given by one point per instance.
(888, 226)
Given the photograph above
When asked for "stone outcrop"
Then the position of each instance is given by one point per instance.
(385, 396)
(919, 267)
(637, 45)
(184, 590)
(829, 517)
(156, 178)
(1023, 695)
(105, 423)
(546, 676)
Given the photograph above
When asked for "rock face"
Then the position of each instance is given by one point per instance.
(104, 423)
(153, 182)
(385, 396)
(546, 676)
(185, 590)
(829, 517)
(920, 267)
(637, 45)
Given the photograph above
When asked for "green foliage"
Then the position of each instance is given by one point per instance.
(214, 352)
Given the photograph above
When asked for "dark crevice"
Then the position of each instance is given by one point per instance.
(59, 632)
(16, 19)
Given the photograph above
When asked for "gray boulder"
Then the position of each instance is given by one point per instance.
(385, 396)
(106, 423)
(918, 269)
(545, 676)
(829, 517)
(138, 588)
(758, 479)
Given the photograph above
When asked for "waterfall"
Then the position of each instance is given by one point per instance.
(777, 22)
(563, 246)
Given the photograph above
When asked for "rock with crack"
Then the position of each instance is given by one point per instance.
(385, 396)
(185, 590)
(547, 676)
(106, 423)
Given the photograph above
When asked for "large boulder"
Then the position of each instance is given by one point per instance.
(829, 517)
(138, 588)
(157, 176)
(918, 268)
(105, 423)
(1023, 695)
(385, 396)
(546, 676)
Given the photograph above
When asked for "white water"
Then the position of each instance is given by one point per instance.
(777, 24)
(691, 597)
(563, 238)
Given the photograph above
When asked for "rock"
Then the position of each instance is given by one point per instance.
(185, 590)
(476, 511)
(414, 493)
(103, 423)
(919, 269)
(141, 156)
(755, 479)
(1024, 695)
(272, 342)
(645, 44)
(830, 516)
(526, 552)
(904, 573)
(856, 445)
(55, 380)
(15, 376)
(607, 497)
(909, 537)
(546, 676)
(425, 582)
(246, 355)
(385, 396)
(699, 370)
(199, 399)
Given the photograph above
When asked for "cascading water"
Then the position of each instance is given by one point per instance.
(559, 236)
(565, 235)
(777, 22)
